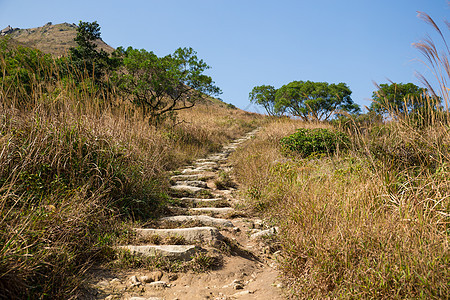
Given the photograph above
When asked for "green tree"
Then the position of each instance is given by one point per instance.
(89, 61)
(163, 85)
(264, 95)
(399, 97)
(314, 100)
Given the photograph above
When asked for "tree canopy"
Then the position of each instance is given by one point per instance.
(163, 85)
(264, 95)
(314, 100)
(85, 57)
(399, 97)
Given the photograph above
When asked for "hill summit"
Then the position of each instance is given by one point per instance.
(53, 39)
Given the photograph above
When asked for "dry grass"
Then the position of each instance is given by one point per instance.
(350, 226)
(75, 163)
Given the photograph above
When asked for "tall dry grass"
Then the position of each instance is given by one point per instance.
(355, 225)
(76, 162)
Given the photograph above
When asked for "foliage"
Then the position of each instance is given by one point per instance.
(264, 95)
(314, 100)
(85, 58)
(400, 97)
(307, 142)
(23, 70)
(160, 86)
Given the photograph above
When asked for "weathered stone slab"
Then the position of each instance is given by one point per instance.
(184, 252)
(208, 164)
(196, 183)
(191, 235)
(187, 188)
(200, 200)
(185, 177)
(205, 220)
(216, 210)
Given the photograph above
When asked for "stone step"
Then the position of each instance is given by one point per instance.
(196, 170)
(213, 202)
(186, 188)
(205, 220)
(213, 210)
(214, 158)
(200, 200)
(206, 164)
(183, 252)
(191, 235)
(185, 177)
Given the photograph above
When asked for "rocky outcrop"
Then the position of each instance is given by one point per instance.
(7, 30)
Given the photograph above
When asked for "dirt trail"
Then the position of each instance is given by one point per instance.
(219, 229)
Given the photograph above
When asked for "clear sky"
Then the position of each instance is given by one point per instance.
(254, 42)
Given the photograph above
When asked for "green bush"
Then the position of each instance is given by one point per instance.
(308, 142)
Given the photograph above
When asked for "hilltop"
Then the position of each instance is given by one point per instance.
(53, 39)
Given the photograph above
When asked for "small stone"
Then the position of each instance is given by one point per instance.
(151, 277)
(103, 283)
(280, 285)
(243, 293)
(115, 281)
(158, 284)
(236, 229)
(135, 281)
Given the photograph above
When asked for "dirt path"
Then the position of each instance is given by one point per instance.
(205, 223)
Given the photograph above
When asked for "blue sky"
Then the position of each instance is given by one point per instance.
(254, 42)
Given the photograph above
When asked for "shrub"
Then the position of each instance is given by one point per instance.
(308, 142)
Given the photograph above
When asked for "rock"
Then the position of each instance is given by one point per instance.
(185, 177)
(184, 252)
(190, 235)
(206, 220)
(208, 164)
(151, 277)
(141, 298)
(243, 293)
(257, 223)
(187, 188)
(237, 284)
(135, 281)
(196, 183)
(264, 233)
(216, 210)
(103, 283)
(6, 30)
(115, 281)
(158, 284)
(199, 200)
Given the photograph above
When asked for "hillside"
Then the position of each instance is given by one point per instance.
(53, 39)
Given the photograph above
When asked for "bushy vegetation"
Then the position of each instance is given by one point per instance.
(317, 141)
(78, 163)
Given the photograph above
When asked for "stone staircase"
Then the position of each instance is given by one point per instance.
(203, 211)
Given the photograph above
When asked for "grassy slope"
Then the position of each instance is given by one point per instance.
(52, 39)
(371, 223)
